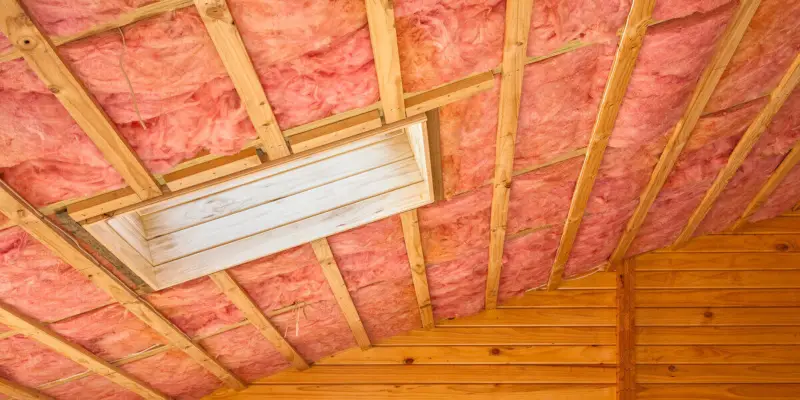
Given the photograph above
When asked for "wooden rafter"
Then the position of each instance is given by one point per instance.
(43, 59)
(331, 271)
(616, 87)
(17, 391)
(253, 314)
(683, 129)
(777, 97)
(226, 38)
(518, 17)
(626, 329)
(416, 258)
(775, 179)
(27, 217)
(79, 355)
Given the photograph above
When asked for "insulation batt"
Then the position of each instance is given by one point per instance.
(554, 23)
(316, 330)
(770, 43)
(527, 261)
(671, 60)
(246, 353)
(704, 155)
(453, 228)
(92, 387)
(174, 374)
(458, 287)
(769, 151)
(31, 364)
(441, 41)
(40, 285)
(782, 199)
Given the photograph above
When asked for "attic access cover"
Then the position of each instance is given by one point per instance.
(273, 207)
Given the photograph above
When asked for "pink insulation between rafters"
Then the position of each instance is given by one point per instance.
(672, 58)
(705, 154)
(782, 199)
(246, 353)
(554, 23)
(29, 363)
(527, 261)
(92, 387)
(174, 374)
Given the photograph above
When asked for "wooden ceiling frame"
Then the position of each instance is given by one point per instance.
(617, 85)
(515, 45)
(17, 391)
(777, 98)
(685, 126)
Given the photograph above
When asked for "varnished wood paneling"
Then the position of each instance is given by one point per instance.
(718, 373)
(718, 335)
(718, 392)
(714, 316)
(718, 354)
(719, 298)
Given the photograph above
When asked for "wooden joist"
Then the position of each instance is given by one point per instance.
(776, 99)
(27, 217)
(17, 391)
(775, 179)
(226, 38)
(79, 355)
(449, 93)
(683, 129)
(626, 328)
(416, 259)
(616, 87)
(237, 295)
(319, 136)
(43, 59)
(383, 36)
(331, 271)
(518, 17)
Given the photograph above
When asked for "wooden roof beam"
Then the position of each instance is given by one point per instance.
(331, 271)
(518, 19)
(616, 87)
(63, 246)
(777, 97)
(79, 355)
(683, 129)
(43, 59)
(17, 391)
(226, 38)
(416, 258)
(775, 179)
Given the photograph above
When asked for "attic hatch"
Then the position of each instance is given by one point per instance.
(273, 207)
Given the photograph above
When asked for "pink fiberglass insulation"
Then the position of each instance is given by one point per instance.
(560, 96)
(769, 151)
(444, 40)
(458, 287)
(109, 332)
(672, 58)
(542, 197)
(314, 58)
(767, 49)
(316, 330)
(665, 10)
(196, 307)
(246, 353)
(467, 131)
(704, 155)
(782, 199)
(40, 285)
(456, 227)
(29, 363)
(91, 387)
(554, 23)
(527, 261)
(374, 265)
(174, 374)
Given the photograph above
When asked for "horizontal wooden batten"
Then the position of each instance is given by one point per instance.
(718, 391)
(759, 373)
(208, 171)
(449, 93)
(424, 392)
(461, 355)
(711, 354)
(453, 374)
(717, 261)
(313, 138)
(718, 279)
(17, 391)
(718, 298)
(710, 316)
(538, 317)
(505, 336)
(563, 298)
(741, 244)
(718, 335)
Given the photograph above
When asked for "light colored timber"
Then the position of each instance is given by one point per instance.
(474, 355)
(741, 244)
(434, 139)
(43, 59)
(717, 335)
(70, 252)
(536, 317)
(769, 187)
(563, 298)
(7, 224)
(226, 38)
(597, 280)
(613, 94)
(416, 260)
(718, 316)
(102, 204)
(518, 17)
(501, 336)
(718, 279)
(449, 93)
(79, 355)
(776, 99)
(718, 391)
(777, 225)
(683, 129)
(718, 298)
(383, 36)
(717, 261)
(207, 171)
(452, 374)
(759, 373)
(135, 15)
(423, 392)
(17, 391)
(336, 131)
(626, 327)
(711, 354)
(237, 295)
(334, 277)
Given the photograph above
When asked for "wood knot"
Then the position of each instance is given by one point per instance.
(782, 247)
(408, 361)
(708, 314)
(672, 368)
(216, 12)
(495, 351)
(53, 89)
(27, 43)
